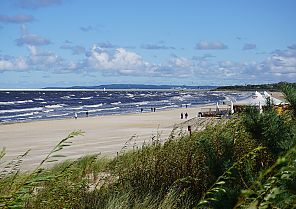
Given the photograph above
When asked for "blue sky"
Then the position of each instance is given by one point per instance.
(91, 42)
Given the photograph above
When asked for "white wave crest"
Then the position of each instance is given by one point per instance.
(39, 99)
(75, 108)
(54, 106)
(99, 110)
(48, 110)
(177, 98)
(115, 103)
(129, 95)
(141, 103)
(21, 110)
(86, 98)
(20, 115)
(60, 115)
(16, 102)
(93, 106)
(166, 107)
(65, 97)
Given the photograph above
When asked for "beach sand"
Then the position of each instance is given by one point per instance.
(103, 134)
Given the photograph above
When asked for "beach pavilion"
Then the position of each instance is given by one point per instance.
(258, 100)
(273, 100)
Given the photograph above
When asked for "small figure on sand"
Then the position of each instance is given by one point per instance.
(186, 115)
(86, 113)
(151, 109)
(141, 109)
(186, 105)
(75, 115)
(181, 115)
(154, 109)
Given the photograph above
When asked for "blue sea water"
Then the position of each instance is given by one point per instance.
(20, 106)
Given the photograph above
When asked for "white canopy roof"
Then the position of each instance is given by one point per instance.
(258, 99)
(254, 99)
(273, 100)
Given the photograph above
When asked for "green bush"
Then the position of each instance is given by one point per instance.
(275, 131)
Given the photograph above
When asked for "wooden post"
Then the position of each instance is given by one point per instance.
(189, 129)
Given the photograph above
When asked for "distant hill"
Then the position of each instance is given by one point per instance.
(259, 87)
(136, 86)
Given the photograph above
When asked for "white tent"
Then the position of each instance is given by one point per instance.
(256, 99)
(273, 100)
(217, 107)
(231, 107)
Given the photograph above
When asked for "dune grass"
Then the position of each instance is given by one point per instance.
(244, 162)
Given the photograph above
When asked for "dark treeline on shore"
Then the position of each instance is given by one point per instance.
(256, 87)
(137, 86)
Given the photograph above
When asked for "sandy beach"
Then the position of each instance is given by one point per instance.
(105, 134)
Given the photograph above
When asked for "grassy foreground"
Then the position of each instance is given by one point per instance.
(245, 162)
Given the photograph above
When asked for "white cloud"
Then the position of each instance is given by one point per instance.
(41, 61)
(180, 62)
(280, 65)
(13, 64)
(120, 60)
(123, 62)
(282, 62)
(31, 39)
(45, 60)
(205, 45)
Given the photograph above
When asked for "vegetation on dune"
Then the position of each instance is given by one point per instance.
(257, 87)
(248, 161)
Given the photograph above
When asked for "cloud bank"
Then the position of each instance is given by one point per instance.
(109, 60)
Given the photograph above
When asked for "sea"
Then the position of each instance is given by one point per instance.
(30, 105)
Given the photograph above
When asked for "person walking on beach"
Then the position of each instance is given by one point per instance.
(86, 113)
(181, 115)
(186, 115)
(151, 109)
(75, 115)
(154, 109)
(141, 109)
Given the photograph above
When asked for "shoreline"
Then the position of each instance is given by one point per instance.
(103, 134)
(100, 90)
(104, 115)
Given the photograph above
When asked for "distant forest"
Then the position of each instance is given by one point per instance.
(137, 86)
(259, 87)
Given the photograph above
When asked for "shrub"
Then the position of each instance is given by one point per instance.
(272, 130)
